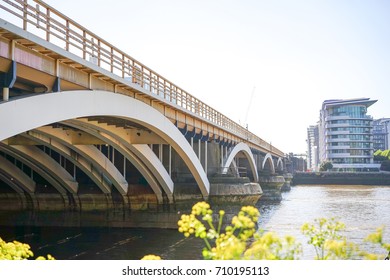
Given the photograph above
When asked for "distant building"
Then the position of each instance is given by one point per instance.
(345, 135)
(312, 148)
(381, 134)
(296, 162)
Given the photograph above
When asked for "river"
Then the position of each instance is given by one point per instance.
(361, 208)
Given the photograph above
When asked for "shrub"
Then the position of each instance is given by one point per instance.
(17, 251)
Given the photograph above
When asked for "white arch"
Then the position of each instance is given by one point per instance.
(18, 180)
(71, 155)
(127, 151)
(279, 163)
(268, 157)
(92, 154)
(242, 147)
(47, 173)
(43, 109)
(150, 166)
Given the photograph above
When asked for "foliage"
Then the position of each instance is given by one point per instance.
(234, 243)
(151, 257)
(382, 156)
(329, 243)
(320, 232)
(326, 165)
(377, 238)
(17, 251)
(325, 236)
(386, 154)
(241, 240)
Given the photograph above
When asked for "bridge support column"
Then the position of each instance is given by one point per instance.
(287, 185)
(8, 80)
(5, 94)
(271, 185)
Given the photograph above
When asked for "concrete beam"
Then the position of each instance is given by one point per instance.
(92, 154)
(47, 174)
(82, 163)
(17, 176)
(148, 165)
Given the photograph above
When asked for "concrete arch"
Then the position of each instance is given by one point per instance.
(139, 155)
(279, 164)
(145, 161)
(42, 109)
(268, 159)
(92, 154)
(242, 147)
(16, 178)
(77, 159)
(47, 173)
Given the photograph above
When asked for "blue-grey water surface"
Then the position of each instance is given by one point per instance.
(361, 208)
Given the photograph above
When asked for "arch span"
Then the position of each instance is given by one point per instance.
(279, 164)
(43, 109)
(242, 147)
(268, 160)
(146, 161)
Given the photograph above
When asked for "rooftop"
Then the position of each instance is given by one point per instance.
(354, 101)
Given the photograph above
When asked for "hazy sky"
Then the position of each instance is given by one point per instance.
(294, 53)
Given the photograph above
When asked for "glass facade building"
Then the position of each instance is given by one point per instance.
(346, 135)
(381, 134)
(312, 148)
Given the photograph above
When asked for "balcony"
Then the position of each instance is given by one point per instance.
(337, 132)
(356, 165)
(347, 117)
(329, 148)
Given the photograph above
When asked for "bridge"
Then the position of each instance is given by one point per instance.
(86, 126)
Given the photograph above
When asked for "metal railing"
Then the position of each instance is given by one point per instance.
(62, 31)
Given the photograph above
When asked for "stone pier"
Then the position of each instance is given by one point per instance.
(287, 184)
(271, 185)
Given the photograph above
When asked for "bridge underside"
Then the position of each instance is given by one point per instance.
(105, 143)
(79, 134)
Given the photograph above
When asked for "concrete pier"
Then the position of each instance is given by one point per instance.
(271, 185)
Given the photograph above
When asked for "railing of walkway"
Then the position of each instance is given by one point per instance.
(54, 27)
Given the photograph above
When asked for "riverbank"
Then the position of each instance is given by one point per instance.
(342, 178)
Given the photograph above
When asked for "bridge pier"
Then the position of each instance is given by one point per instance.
(287, 185)
(5, 94)
(271, 185)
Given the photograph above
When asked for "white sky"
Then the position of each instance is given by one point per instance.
(295, 53)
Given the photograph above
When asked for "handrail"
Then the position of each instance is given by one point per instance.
(64, 32)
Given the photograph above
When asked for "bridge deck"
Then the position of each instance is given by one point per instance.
(49, 47)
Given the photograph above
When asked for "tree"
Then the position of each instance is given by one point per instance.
(326, 165)
(386, 154)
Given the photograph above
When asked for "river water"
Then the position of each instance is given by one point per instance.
(361, 208)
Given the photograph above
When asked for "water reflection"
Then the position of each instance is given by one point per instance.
(361, 208)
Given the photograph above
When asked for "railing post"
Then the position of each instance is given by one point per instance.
(112, 60)
(98, 54)
(123, 66)
(67, 36)
(47, 24)
(84, 45)
(25, 4)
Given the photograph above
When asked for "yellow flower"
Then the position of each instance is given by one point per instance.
(151, 257)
